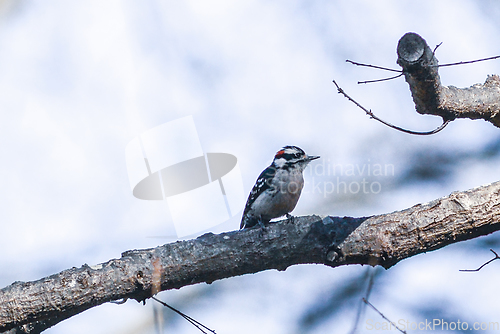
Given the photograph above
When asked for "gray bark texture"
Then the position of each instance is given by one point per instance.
(420, 67)
(29, 307)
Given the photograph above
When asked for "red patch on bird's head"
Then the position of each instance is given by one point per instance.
(279, 153)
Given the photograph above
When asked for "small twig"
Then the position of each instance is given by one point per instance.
(373, 66)
(371, 281)
(379, 80)
(437, 46)
(193, 322)
(377, 67)
(466, 62)
(372, 115)
(401, 72)
(439, 65)
(484, 264)
(371, 272)
(383, 316)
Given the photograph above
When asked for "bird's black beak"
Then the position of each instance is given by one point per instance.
(313, 157)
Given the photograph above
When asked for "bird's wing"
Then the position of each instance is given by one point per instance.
(260, 186)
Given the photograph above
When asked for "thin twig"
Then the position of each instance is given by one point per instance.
(383, 316)
(437, 46)
(372, 115)
(465, 62)
(400, 71)
(379, 80)
(373, 66)
(484, 264)
(193, 322)
(370, 272)
(371, 281)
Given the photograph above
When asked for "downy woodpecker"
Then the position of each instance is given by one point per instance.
(277, 190)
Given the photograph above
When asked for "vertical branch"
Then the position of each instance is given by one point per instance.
(417, 60)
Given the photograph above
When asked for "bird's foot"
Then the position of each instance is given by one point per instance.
(290, 218)
(263, 227)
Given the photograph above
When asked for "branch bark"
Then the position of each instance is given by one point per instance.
(420, 67)
(333, 241)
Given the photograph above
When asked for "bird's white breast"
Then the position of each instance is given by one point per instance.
(283, 195)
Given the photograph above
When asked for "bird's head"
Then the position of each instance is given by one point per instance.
(290, 156)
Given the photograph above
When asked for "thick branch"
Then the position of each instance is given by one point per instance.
(379, 240)
(420, 67)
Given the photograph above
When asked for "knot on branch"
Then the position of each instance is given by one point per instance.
(415, 57)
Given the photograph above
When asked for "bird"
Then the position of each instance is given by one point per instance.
(277, 189)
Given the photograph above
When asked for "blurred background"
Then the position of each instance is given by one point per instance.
(79, 80)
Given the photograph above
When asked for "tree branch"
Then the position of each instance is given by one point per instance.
(420, 68)
(333, 241)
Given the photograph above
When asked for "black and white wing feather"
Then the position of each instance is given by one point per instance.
(262, 184)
